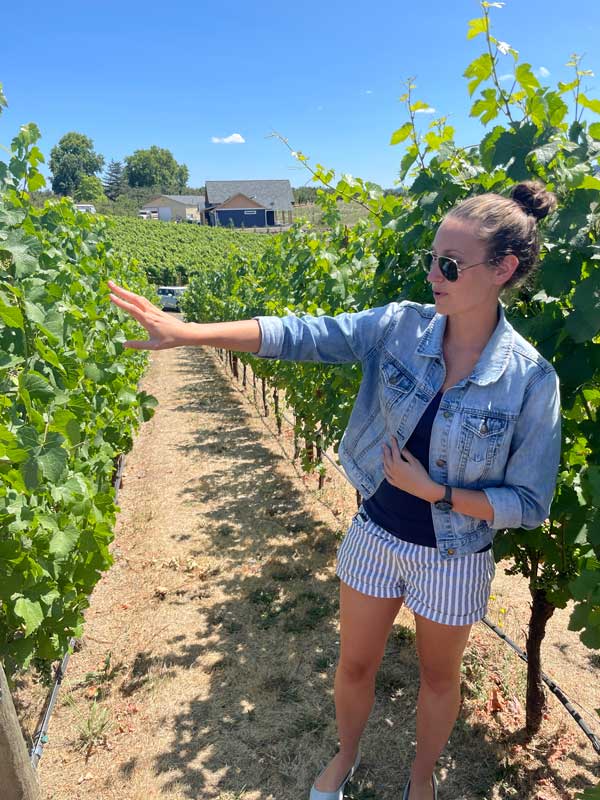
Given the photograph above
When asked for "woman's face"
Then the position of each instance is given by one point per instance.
(475, 287)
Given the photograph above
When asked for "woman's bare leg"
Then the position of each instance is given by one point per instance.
(365, 624)
(440, 648)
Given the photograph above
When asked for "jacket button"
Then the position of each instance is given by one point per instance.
(447, 414)
(450, 551)
(440, 462)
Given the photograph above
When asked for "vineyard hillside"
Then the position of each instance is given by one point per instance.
(169, 252)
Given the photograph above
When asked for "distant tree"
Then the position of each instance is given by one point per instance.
(114, 180)
(128, 203)
(308, 194)
(70, 160)
(156, 167)
(39, 198)
(305, 194)
(397, 190)
(90, 190)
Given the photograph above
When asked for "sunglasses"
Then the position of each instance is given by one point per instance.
(448, 266)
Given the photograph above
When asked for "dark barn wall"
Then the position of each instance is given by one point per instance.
(239, 218)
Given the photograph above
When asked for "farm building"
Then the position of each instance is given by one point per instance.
(248, 203)
(176, 206)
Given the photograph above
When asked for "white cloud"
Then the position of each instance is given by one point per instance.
(543, 72)
(235, 138)
(508, 77)
(429, 110)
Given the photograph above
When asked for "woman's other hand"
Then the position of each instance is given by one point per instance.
(406, 472)
(165, 331)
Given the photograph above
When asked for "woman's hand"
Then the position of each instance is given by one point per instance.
(406, 472)
(165, 331)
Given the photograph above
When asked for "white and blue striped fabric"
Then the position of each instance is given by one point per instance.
(450, 591)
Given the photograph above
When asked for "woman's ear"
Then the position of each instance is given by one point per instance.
(504, 269)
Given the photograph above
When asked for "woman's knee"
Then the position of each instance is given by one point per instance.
(439, 681)
(353, 670)
(440, 649)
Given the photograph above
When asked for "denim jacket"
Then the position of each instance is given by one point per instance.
(497, 430)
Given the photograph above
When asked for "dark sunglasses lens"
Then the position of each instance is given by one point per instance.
(426, 260)
(448, 268)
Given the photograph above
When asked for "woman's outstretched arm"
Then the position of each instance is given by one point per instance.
(166, 331)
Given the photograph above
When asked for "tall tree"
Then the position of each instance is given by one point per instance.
(114, 180)
(156, 168)
(90, 190)
(71, 159)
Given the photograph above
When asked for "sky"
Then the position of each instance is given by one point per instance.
(212, 81)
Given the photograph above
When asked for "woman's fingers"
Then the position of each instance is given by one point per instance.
(129, 298)
(147, 345)
(139, 315)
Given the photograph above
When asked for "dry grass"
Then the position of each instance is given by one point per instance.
(207, 664)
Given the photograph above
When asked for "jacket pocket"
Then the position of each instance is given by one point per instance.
(482, 436)
(396, 383)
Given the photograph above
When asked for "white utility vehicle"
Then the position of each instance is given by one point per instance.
(169, 296)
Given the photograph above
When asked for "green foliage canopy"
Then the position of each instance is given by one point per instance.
(156, 168)
(114, 180)
(70, 160)
(69, 404)
(90, 190)
(170, 253)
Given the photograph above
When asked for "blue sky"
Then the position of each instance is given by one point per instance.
(327, 75)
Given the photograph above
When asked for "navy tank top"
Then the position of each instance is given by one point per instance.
(398, 512)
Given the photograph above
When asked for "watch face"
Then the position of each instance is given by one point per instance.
(443, 505)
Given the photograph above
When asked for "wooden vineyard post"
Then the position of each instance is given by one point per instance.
(277, 414)
(319, 460)
(17, 777)
(309, 450)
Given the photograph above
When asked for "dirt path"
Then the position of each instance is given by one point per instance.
(214, 635)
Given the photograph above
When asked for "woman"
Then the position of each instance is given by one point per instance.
(454, 435)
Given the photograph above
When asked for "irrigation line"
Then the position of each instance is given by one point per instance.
(40, 737)
(552, 685)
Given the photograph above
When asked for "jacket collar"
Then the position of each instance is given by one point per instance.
(495, 355)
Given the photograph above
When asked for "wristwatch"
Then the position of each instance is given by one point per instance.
(445, 504)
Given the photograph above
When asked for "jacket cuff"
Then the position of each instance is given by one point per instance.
(506, 504)
(271, 335)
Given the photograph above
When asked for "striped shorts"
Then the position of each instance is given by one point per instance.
(452, 592)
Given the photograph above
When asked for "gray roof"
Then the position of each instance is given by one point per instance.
(275, 195)
(187, 199)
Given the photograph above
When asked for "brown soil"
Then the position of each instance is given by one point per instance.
(214, 635)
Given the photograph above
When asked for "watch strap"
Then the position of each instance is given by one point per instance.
(445, 502)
